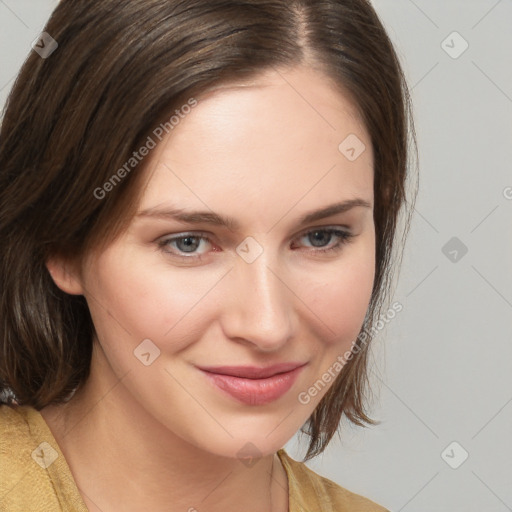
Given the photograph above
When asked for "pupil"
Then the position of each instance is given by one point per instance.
(188, 244)
(321, 238)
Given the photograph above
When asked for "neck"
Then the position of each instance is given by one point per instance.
(122, 458)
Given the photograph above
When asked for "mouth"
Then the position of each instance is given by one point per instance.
(252, 385)
(252, 372)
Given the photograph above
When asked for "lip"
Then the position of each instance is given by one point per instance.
(252, 372)
(254, 386)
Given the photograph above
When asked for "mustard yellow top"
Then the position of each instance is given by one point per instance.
(35, 477)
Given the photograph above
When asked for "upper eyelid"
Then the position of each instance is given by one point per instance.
(327, 228)
(207, 236)
(203, 234)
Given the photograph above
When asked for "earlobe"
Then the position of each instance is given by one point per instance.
(64, 275)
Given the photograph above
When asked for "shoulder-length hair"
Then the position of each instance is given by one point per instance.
(120, 69)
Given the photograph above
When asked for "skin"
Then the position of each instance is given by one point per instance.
(265, 155)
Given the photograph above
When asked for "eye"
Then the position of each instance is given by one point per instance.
(186, 246)
(186, 243)
(321, 237)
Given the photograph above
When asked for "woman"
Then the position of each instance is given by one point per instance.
(198, 205)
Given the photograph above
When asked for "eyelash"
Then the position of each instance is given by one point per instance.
(344, 236)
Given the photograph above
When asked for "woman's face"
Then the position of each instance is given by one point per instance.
(171, 296)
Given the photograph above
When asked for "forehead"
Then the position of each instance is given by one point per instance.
(263, 146)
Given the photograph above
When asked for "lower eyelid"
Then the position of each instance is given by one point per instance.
(343, 237)
(338, 233)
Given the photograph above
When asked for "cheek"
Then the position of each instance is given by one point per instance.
(340, 298)
(140, 298)
(137, 298)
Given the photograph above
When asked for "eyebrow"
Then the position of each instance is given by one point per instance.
(209, 217)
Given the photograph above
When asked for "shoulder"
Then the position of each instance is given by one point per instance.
(311, 491)
(17, 468)
(19, 429)
(15, 433)
(33, 472)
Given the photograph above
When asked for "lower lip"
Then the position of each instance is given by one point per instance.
(255, 391)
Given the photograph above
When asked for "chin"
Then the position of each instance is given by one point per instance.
(243, 447)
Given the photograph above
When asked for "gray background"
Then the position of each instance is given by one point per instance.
(443, 366)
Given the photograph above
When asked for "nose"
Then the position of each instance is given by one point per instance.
(260, 310)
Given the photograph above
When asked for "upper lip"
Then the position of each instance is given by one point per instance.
(252, 372)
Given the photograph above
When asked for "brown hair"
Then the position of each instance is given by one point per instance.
(76, 116)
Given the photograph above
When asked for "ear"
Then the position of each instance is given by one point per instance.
(65, 275)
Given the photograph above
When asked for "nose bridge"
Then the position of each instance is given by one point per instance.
(263, 310)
